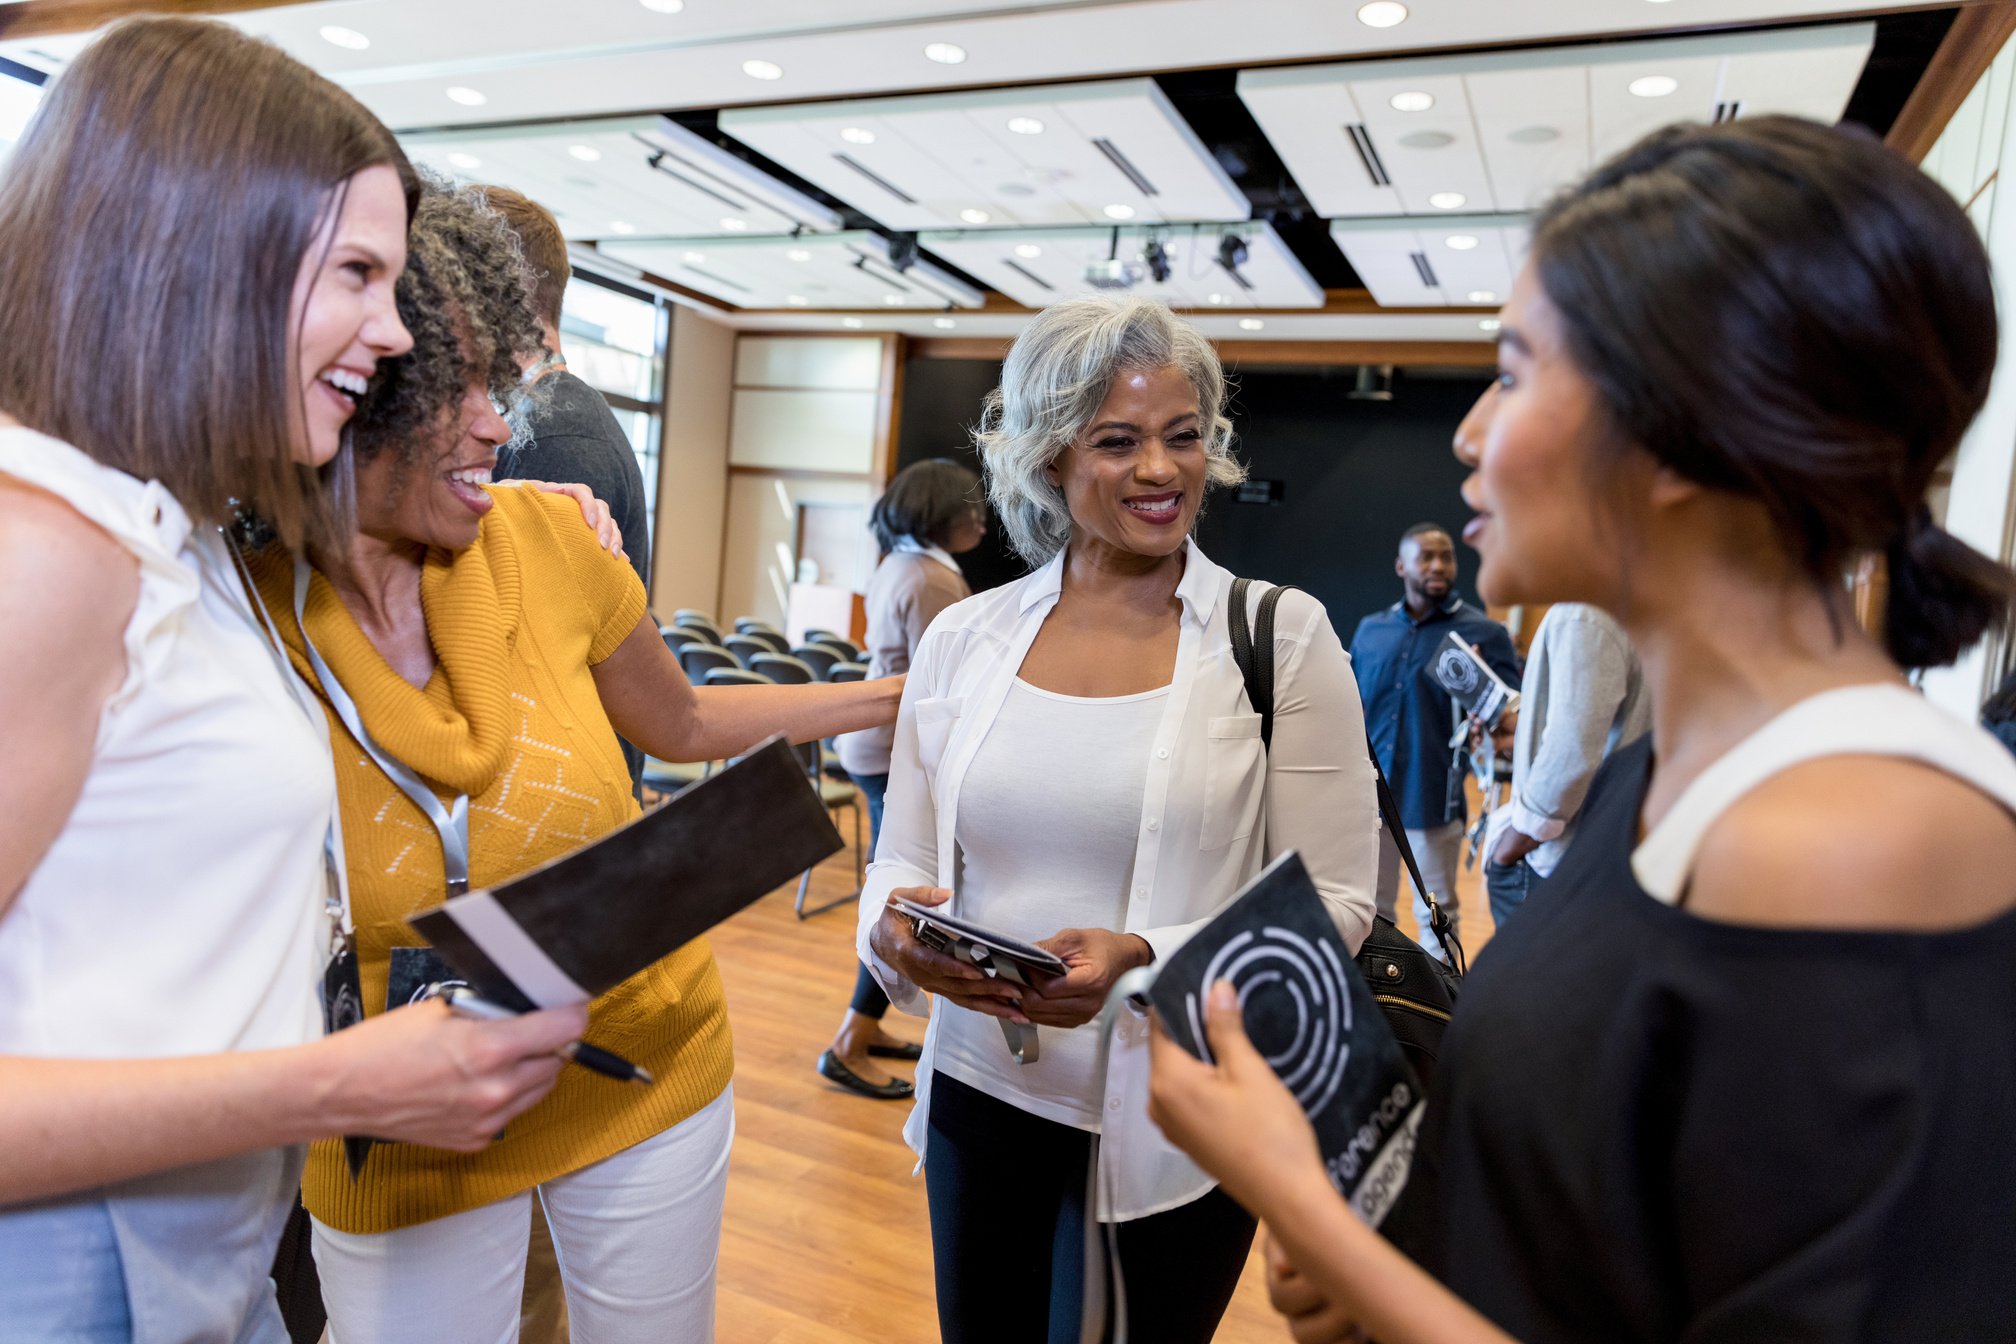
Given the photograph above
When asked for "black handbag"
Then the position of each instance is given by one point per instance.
(1416, 992)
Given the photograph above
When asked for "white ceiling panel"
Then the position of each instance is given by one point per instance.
(1086, 154)
(632, 176)
(1037, 267)
(1425, 263)
(815, 271)
(1503, 131)
(532, 61)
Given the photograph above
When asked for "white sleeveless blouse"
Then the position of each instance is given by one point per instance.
(181, 909)
(1880, 719)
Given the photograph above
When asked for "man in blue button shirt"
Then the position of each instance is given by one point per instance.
(1410, 717)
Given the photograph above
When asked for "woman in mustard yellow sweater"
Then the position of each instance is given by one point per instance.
(491, 648)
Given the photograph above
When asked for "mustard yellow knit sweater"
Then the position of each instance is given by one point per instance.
(511, 718)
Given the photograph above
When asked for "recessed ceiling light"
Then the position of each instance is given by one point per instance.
(945, 53)
(622, 226)
(347, 38)
(734, 225)
(1534, 135)
(975, 216)
(1461, 242)
(943, 323)
(1250, 324)
(797, 300)
(1382, 14)
(799, 254)
(1216, 299)
(1483, 296)
(853, 322)
(1025, 125)
(1448, 200)
(1028, 251)
(585, 153)
(663, 6)
(857, 135)
(762, 69)
(1412, 101)
(468, 163)
(1654, 86)
(692, 258)
(894, 300)
(1119, 212)
(1489, 324)
(467, 97)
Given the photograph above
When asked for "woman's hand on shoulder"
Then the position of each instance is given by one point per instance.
(1857, 842)
(894, 939)
(1096, 958)
(593, 511)
(419, 1074)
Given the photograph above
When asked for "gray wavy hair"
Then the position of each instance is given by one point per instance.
(1055, 379)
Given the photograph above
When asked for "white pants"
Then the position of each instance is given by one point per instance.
(637, 1236)
(1439, 850)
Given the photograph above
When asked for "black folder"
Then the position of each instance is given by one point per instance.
(601, 913)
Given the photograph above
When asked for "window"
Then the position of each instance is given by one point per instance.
(20, 94)
(614, 340)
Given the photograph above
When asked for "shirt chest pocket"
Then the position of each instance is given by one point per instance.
(1235, 780)
(935, 721)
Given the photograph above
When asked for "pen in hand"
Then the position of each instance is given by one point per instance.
(467, 1003)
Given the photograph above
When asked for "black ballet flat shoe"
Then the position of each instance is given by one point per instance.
(903, 1050)
(831, 1069)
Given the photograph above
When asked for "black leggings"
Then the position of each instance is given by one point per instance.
(1007, 1192)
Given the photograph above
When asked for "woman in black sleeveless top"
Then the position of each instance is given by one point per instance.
(1746, 1067)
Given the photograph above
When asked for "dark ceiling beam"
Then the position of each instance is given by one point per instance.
(1323, 354)
(46, 18)
(1971, 45)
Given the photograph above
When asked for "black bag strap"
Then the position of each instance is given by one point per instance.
(1253, 651)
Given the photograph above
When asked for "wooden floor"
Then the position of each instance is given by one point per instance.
(827, 1240)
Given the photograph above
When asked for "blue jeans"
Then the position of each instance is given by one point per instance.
(1508, 885)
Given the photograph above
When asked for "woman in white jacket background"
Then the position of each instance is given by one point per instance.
(1076, 764)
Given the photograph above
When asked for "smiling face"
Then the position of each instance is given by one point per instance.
(1537, 440)
(438, 501)
(1134, 477)
(343, 316)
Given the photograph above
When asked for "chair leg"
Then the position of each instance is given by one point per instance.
(805, 881)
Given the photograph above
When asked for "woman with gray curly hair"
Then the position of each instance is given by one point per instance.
(477, 651)
(1077, 757)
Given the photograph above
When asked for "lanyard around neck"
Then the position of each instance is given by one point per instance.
(451, 821)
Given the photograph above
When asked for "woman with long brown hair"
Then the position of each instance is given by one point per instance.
(1743, 1067)
(201, 240)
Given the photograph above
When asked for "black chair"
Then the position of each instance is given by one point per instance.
(746, 648)
(744, 624)
(683, 612)
(782, 669)
(848, 672)
(737, 676)
(701, 626)
(777, 642)
(677, 637)
(835, 794)
(819, 657)
(672, 776)
(699, 659)
(846, 646)
(814, 636)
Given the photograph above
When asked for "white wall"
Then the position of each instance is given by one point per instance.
(1978, 508)
(693, 466)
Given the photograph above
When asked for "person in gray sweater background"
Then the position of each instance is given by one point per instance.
(1583, 696)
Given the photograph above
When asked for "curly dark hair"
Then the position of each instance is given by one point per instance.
(466, 295)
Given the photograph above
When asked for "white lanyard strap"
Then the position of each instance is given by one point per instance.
(451, 821)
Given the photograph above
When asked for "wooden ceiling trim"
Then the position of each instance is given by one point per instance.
(46, 18)
(1335, 354)
(1978, 34)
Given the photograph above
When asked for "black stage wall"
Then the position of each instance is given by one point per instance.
(1353, 474)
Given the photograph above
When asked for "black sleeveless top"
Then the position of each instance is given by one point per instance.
(1650, 1126)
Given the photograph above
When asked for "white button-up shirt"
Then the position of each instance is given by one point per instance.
(1216, 808)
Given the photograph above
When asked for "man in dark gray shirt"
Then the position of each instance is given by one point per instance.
(574, 435)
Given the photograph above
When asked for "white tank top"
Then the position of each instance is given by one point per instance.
(1875, 720)
(181, 909)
